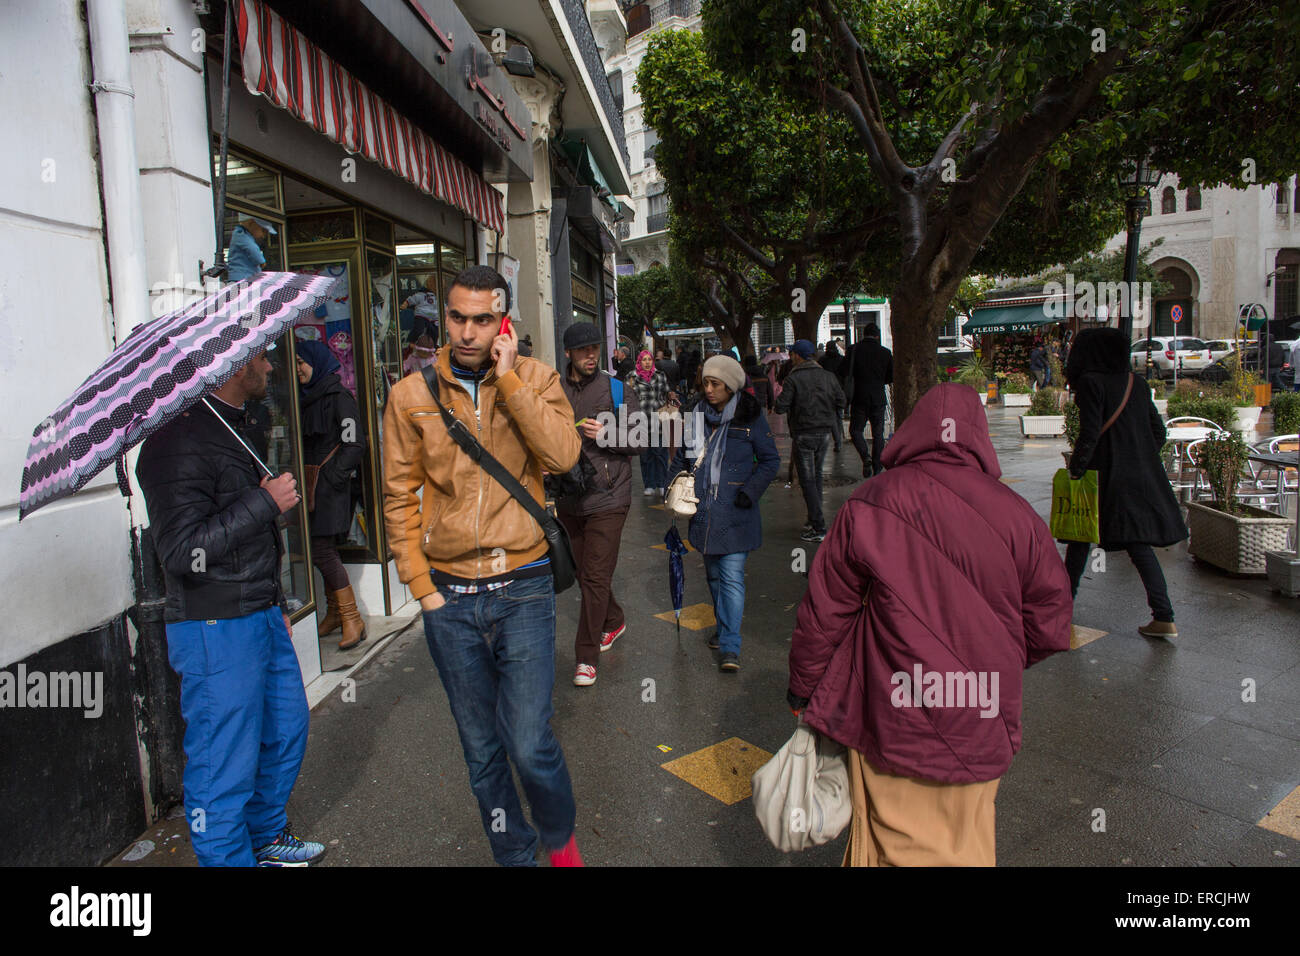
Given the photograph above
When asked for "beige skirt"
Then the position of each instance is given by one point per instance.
(902, 821)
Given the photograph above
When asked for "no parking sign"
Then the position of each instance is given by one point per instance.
(1176, 314)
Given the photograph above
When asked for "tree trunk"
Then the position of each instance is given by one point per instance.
(915, 320)
(805, 325)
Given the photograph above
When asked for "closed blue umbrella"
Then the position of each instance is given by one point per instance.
(676, 573)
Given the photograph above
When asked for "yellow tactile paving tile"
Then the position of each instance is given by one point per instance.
(1010, 481)
(664, 547)
(723, 770)
(1080, 636)
(695, 617)
(1285, 817)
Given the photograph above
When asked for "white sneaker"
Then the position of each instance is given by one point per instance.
(648, 492)
(584, 676)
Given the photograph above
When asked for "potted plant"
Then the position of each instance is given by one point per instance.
(1045, 415)
(1242, 392)
(975, 373)
(1158, 396)
(1016, 390)
(1225, 533)
(1203, 404)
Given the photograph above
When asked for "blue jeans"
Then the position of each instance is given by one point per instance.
(246, 718)
(810, 450)
(726, 574)
(495, 653)
(654, 467)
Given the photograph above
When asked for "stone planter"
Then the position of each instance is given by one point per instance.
(1235, 543)
(1162, 405)
(1016, 399)
(1048, 425)
(1283, 569)
(984, 398)
(1247, 418)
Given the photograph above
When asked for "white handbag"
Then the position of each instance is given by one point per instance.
(801, 795)
(680, 499)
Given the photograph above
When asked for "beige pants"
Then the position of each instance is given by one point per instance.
(901, 821)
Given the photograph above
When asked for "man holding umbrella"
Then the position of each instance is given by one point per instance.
(214, 526)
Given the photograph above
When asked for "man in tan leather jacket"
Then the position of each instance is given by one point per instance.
(477, 561)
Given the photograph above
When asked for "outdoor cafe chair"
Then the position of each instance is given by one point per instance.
(1184, 432)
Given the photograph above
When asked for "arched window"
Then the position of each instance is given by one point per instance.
(1168, 201)
(1193, 198)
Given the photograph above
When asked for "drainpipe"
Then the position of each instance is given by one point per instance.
(155, 689)
(119, 172)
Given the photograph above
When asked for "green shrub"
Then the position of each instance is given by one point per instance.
(1046, 401)
(1071, 423)
(1216, 408)
(1222, 457)
(1018, 383)
(1286, 413)
(972, 372)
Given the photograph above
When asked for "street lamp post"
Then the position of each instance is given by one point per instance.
(1136, 178)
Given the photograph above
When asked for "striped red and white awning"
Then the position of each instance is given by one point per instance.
(293, 73)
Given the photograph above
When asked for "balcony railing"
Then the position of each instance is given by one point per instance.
(657, 222)
(643, 16)
(575, 12)
(624, 230)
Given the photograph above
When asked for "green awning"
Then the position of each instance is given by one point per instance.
(588, 169)
(1012, 318)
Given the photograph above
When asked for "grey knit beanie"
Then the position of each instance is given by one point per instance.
(727, 371)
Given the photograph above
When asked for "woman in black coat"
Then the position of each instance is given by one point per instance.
(333, 440)
(1138, 510)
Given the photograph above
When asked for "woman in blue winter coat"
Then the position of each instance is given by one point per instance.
(740, 460)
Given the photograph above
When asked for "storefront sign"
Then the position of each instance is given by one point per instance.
(584, 293)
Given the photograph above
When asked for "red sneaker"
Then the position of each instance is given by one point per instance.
(568, 856)
(608, 638)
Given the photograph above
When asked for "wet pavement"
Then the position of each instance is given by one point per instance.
(1135, 752)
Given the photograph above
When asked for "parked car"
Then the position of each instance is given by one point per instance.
(1191, 355)
(1220, 348)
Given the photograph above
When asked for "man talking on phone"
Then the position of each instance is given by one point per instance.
(477, 561)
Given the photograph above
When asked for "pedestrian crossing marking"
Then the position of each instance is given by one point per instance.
(695, 617)
(664, 547)
(1080, 636)
(1285, 817)
(722, 770)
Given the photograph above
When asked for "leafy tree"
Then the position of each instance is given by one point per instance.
(993, 129)
(763, 187)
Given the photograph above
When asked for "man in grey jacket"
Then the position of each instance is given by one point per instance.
(813, 403)
(594, 519)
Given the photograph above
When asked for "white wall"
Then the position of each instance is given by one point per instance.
(67, 568)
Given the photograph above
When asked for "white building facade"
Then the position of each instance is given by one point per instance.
(1223, 248)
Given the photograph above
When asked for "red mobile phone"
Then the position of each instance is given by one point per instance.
(505, 326)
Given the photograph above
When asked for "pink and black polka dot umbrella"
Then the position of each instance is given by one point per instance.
(162, 368)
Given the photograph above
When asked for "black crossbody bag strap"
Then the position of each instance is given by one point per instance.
(551, 529)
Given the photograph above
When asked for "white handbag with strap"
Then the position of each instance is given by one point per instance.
(801, 795)
(680, 499)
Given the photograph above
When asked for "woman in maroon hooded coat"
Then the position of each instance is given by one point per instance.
(936, 587)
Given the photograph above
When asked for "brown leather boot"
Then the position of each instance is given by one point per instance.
(332, 620)
(354, 629)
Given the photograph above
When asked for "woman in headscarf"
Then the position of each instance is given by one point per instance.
(739, 462)
(1138, 510)
(333, 442)
(652, 392)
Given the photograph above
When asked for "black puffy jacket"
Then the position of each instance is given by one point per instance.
(212, 525)
(811, 398)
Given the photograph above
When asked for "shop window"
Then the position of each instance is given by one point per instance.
(1168, 201)
(1193, 198)
(333, 226)
(453, 259)
(379, 231)
(381, 268)
(1286, 284)
(333, 324)
(248, 182)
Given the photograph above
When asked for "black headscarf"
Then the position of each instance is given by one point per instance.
(1096, 350)
(316, 414)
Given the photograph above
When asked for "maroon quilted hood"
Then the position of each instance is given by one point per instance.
(935, 588)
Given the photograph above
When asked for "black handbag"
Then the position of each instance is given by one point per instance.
(559, 550)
